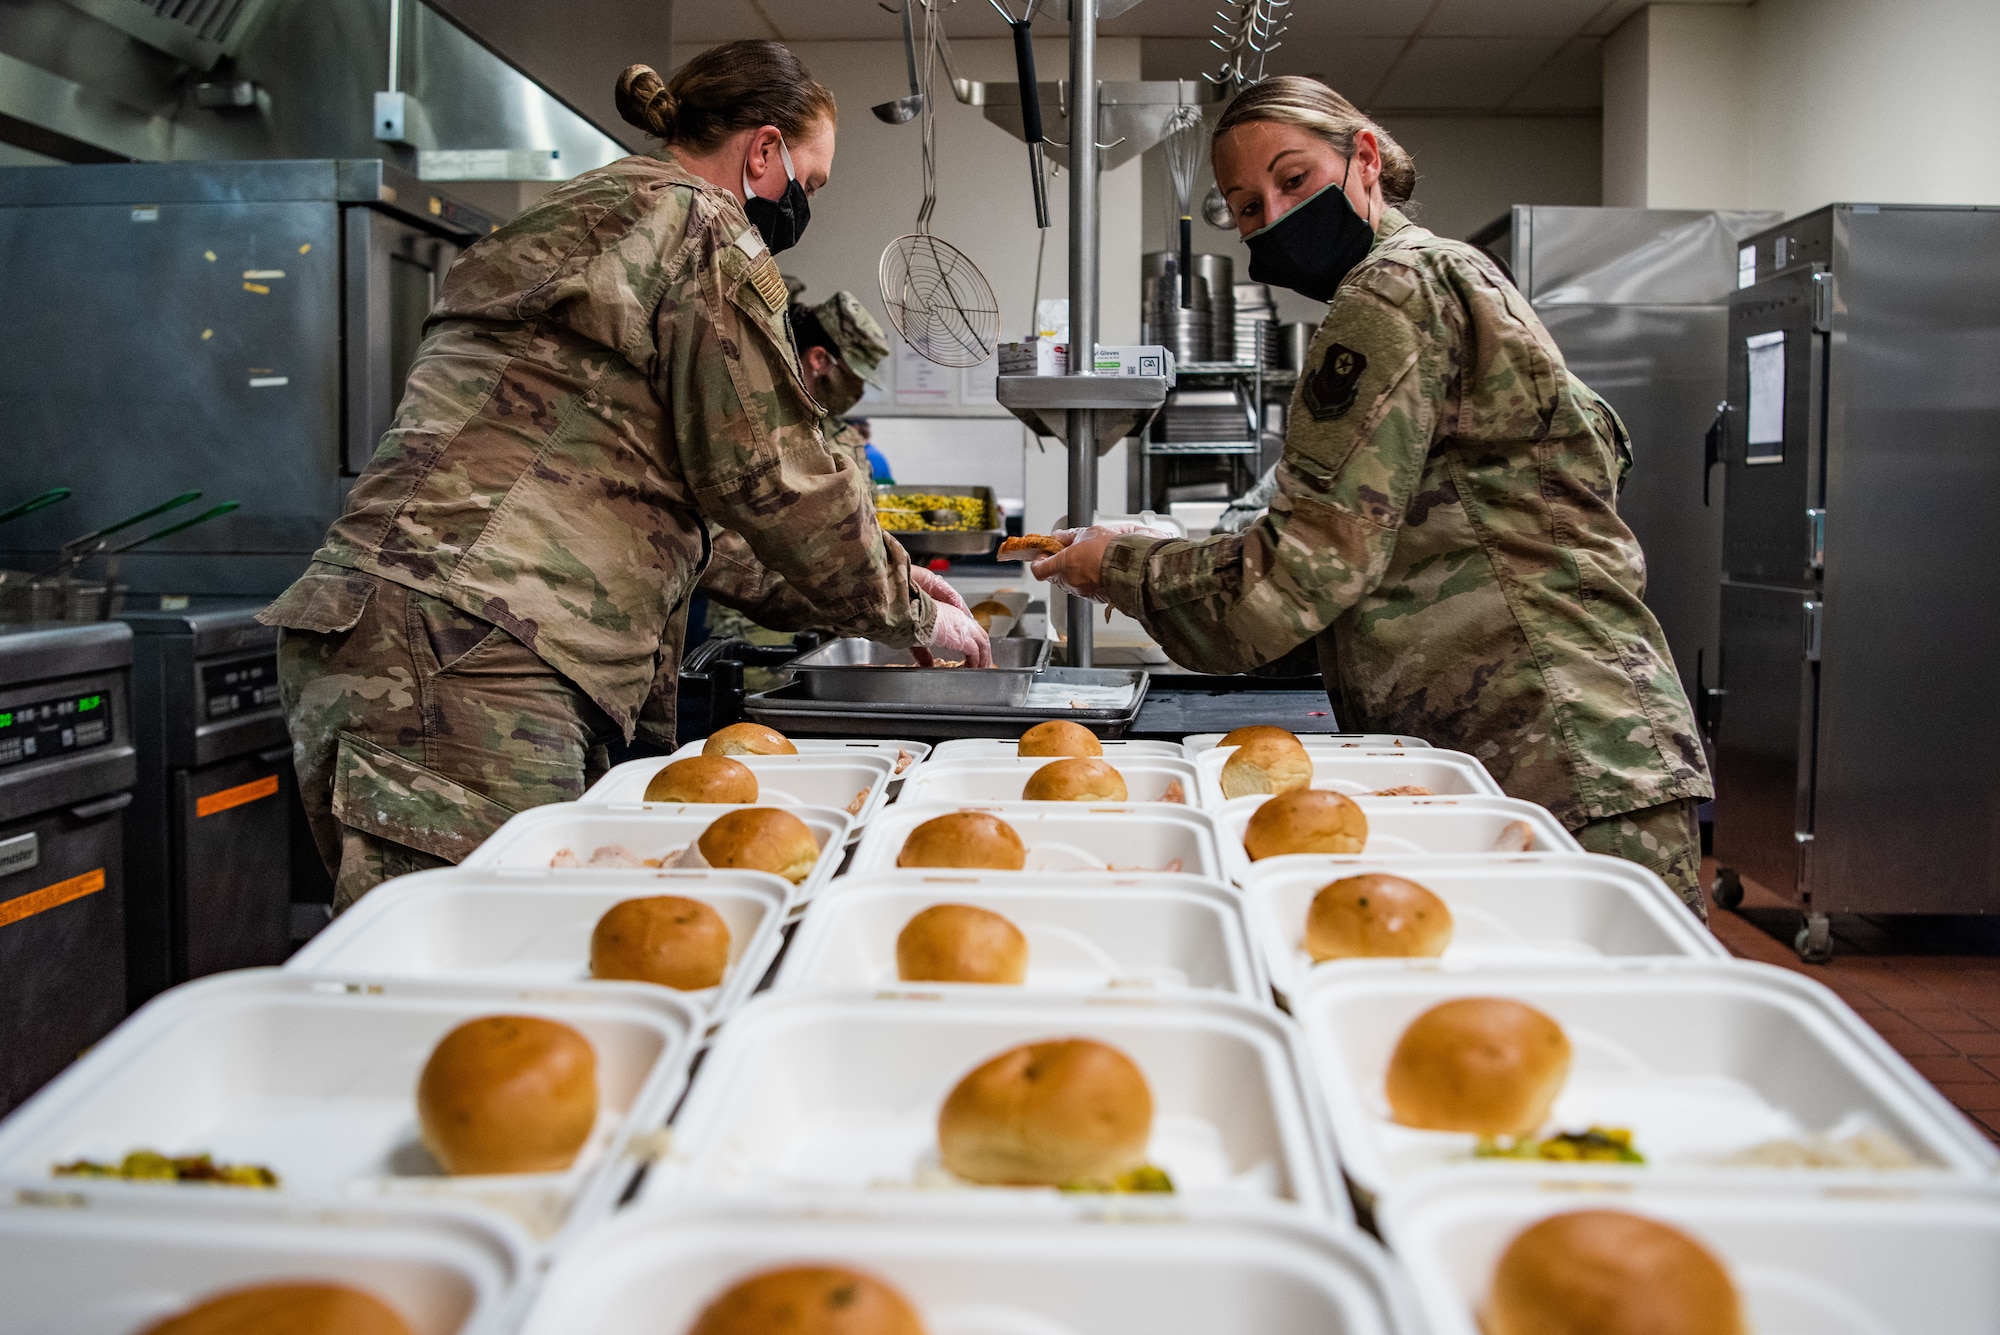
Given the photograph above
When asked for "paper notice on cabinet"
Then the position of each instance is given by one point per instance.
(921, 383)
(1766, 416)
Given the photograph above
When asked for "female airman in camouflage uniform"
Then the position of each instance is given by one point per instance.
(601, 379)
(1445, 518)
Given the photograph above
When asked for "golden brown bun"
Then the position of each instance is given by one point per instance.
(1060, 737)
(1044, 1114)
(1486, 1065)
(665, 939)
(984, 612)
(957, 943)
(1267, 765)
(1032, 547)
(809, 1300)
(1250, 732)
(1376, 916)
(1605, 1272)
(508, 1094)
(1077, 779)
(964, 839)
(285, 1309)
(704, 779)
(748, 739)
(761, 839)
(1305, 820)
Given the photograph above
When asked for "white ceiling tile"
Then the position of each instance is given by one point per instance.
(1511, 18)
(1353, 67)
(711, 21)
(1573, 80)
(1468, 72)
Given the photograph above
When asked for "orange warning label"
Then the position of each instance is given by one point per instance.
(51, 896)
(236, 797)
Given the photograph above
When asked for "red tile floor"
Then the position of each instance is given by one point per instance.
(1931, 986)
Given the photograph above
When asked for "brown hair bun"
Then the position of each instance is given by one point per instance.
(665, 939)
(809, 1300)
(1606, 1270)
(1046, 1114)
(1060, 737)
(508, 1094)
(1306, 820)
(1075, 779)
(736, 86)
(286, 1308)
(1489, 1065)
(1267, 764)
(748, 739)
(958, 943)
(970, 839)
(704, 778)
(1376, 916)
(761, 839)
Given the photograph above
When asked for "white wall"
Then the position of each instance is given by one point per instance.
(1793, 104)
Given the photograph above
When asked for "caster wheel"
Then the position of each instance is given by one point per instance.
(1726, 889)
(1814, 943)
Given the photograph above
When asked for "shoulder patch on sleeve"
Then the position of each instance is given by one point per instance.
(1330, 391)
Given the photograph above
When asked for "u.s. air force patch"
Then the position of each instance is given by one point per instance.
(1331, 390)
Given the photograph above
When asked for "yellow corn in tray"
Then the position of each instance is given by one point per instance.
(904, 514)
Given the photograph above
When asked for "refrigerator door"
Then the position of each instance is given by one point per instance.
(1775, 429)
(1763, 730)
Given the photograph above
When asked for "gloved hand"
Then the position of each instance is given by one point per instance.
(937, 586)
(1116, 528)
(957, 636)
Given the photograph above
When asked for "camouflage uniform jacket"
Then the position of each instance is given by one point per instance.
(601, 379)
(1446, 523)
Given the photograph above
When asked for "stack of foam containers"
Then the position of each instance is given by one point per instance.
(808, 1133)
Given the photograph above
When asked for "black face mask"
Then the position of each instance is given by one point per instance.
(1312, 247)
(781, 221)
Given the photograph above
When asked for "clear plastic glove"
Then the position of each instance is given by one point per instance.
(937, 586)
(1116, 528)
(957, 636)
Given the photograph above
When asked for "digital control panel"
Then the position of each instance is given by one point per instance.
(233, 688)
(52, 727)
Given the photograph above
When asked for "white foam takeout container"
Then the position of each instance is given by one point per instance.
(1084, 932)
(1360, 773)
(83, 1262)
(1699, 1059)
(1009, 748)
(315, 1077)
(1067, 836)
(535, 931)
(782, 781)
(1555, 906)
(1401, 827)
(1804, 1262)
(1001, 779)
(827, 748)
(529, 840)
(1203, 1275)
(832, 1098)
(1196, 743)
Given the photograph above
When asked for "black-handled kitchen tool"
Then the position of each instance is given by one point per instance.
(81, 548)
(1031, 101)
(201, 518)
(34, 503)
(904, 109)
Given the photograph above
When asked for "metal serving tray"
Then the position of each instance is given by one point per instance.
(929, 542)
(863, 671)
(790, 709)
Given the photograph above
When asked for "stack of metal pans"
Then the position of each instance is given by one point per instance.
(1183, 331)
(1220, 272)
(1256, 320)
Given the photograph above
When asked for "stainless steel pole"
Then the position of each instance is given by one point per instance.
(1082, 291)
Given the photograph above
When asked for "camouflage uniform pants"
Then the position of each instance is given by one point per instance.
(1666, 839)
(418, 729)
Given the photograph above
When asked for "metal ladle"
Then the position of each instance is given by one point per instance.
(904, 109)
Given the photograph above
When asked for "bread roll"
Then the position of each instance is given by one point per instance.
(508, 1094)
(704, 779)
(748, 739)
(1606, 1272)
(1376, 916)
(971, 839)
(1077, 779)
(809, 1300)
(1250, 732)
(1267, 765)
(665, 939)
(1486, 1065)
(957, 943)
(1060, 737)
(286, 1308)
(1305, 820)
(1045, 1114)
(761, 839)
